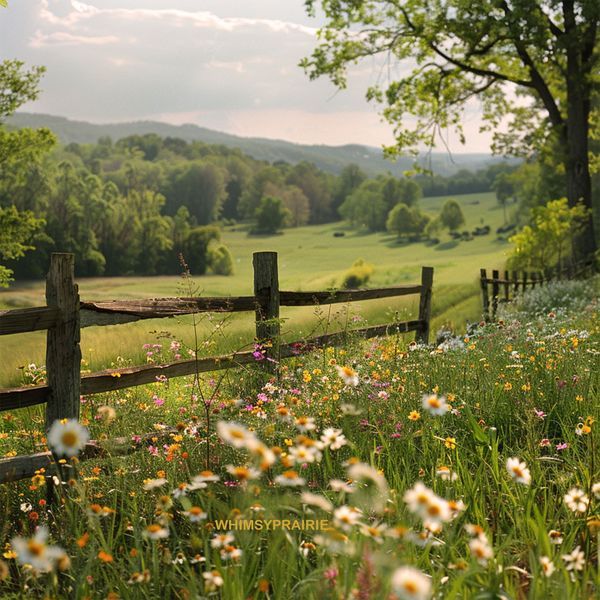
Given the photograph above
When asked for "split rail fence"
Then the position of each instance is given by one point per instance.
(504, 289)
(65, 315)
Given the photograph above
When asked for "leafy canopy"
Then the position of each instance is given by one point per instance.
(547, 240)
(453, 51)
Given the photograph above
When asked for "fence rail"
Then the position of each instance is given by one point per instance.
(65, 315)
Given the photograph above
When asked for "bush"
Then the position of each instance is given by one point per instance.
(558, 296)
(220, 260)
(358, 275)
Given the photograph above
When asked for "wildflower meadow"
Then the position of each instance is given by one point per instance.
(374, 470)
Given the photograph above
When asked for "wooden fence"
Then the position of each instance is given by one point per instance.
(64, 316)
(503, 289)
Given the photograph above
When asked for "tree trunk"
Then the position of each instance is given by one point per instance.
(577, 167)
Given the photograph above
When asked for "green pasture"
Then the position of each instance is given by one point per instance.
(310, 258)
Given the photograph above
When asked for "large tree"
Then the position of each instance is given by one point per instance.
(18, 150)
(545, 52)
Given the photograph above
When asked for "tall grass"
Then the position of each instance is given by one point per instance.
(512, 392)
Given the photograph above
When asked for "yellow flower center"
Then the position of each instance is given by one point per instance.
(35, 548)
(69, 439)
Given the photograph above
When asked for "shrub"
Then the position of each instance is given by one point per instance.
(358, 275)
(557, 296)
(220, 260)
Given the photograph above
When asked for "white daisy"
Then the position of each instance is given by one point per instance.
(195, 514)
(152, 484)
(35, 552)
(348, 375)
(481, 550)
(334, 438)
(577, 500)
(236, 435)
(547, 566)
(435, 404)
(411, 584)
(67, 437)
(220, 540)
(574, 561)
(212, 579)
(303, 454)
(155, 532)
(316, 500)
(305, 423)
(518, 471)
(346, 516)
(290, 478)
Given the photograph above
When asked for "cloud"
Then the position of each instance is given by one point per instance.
(63, 38)
(204, 19)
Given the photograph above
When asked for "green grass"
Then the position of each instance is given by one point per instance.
(515, 391)
(310, 258)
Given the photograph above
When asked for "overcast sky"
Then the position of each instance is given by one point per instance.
(229, 65)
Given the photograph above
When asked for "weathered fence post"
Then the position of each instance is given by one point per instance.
(484, 295)
(63, 354)
(495, 292)
(266, 292)
(422, 335)
(506, 290)
(524, 281)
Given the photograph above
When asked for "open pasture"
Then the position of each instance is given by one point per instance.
(310, 258)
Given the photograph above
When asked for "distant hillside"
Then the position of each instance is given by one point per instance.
(328, 158)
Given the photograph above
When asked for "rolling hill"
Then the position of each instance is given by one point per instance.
(328, 158)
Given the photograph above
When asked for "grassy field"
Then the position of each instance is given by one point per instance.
(471, 472)
(310, 258)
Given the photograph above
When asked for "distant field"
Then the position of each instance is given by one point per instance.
(310, 258)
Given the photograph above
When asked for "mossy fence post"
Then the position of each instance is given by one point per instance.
(425, 305)
(495, 292)
(484, 295)
(63, 353)
(266, 292)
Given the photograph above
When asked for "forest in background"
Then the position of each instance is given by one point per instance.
(132, 206)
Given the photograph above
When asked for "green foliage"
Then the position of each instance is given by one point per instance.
(433, 227)
(370, 203)
(460, 50)
(196, 247)
(404, 220)
(358, 275)
(271, 215)
(452, 216)
(220, 260)
(16, 232)
(17, 148)
(547, 241)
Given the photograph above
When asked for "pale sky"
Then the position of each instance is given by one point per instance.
(229, 65)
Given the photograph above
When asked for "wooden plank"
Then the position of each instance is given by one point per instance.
(114, 312)
(304, 346)
(425, 305)
(63, 354)
(22, 320)
(338, 296)
(23, 467)
(266, 291)
(117, 379)
(23, 397)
